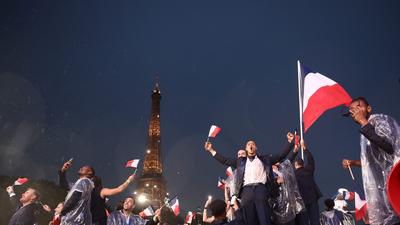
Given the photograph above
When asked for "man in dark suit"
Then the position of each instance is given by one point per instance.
(254, 180)
(308, 188)
(26, 208)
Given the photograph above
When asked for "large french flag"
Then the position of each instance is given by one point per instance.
(319, 94)
(174, 204)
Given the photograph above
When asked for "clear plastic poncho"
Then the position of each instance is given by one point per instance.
(376, 166)
(230, 182)
(289, 202)
(119, 218)
(80, 214)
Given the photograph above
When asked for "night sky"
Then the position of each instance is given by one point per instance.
(76, 79)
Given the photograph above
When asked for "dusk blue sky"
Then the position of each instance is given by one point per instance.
(76, 79)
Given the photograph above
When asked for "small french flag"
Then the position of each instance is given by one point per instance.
(21, 181)
(133, 163)
(174, 204)
(147, 212)
(189, 217)
(221, 183)
(214, 130)
(349, 195)
(229, 171)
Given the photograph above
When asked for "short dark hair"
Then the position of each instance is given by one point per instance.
(329, 203)
(361, 99)
(217, 208)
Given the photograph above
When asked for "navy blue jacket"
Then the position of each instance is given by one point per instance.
(309, 190)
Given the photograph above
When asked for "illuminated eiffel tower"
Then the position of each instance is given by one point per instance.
(152, 183)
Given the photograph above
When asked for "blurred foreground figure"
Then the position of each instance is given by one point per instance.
(126, 217)
(331, 216)
(380, 150)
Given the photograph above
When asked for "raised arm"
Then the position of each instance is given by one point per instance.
(369, 132)
(13, 198)
(62, 175)
(220, 158)
(105, 192)
(282, 155)
(207, 219)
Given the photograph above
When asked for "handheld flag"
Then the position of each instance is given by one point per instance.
(361, 206)
(21, 181)
(174, 204)
(221, 183)
(133, 163)
(189, 217)
(214, 130)
(147, 212)
(229, 171)
(319, 93)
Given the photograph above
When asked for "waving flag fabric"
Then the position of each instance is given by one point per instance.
(221, 183)
(147, 212)
(361, 206)
(133, 163)
(189, 217)
(21, 181)
(214, 130)
(174, 204)
(229, 171)
(320, 94)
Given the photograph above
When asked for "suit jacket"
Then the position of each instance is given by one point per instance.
(267, 160)
(25, 215)
(309, 190)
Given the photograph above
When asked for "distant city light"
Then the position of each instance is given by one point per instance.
(142, 199)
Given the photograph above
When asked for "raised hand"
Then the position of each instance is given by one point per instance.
(208, 146)
(46, 208)
(359, 115)
(10, 190)
(346, 163)
(66, 166)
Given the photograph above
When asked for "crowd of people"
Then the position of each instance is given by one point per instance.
(263, 189)
(84, 204)
(280, 189)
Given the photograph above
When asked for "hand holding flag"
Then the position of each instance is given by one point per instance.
(133, 164)
(189, 217)
(221, 183)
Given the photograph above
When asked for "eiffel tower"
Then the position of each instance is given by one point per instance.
(152, 184)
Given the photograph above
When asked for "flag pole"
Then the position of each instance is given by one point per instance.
(300, 106)
(351, 172)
